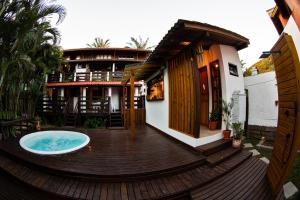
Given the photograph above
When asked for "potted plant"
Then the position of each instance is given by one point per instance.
(226, 113)
(237, 134)
(37, 120)
(213, 119)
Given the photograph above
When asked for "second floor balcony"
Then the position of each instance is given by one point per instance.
(101, 76)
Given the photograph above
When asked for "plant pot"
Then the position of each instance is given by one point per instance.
(213, 125)
(38, 125)
(226, 134)
(236, 143)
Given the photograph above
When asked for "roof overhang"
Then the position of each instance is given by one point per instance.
(194, 32)
(141, 71)
(181, 36)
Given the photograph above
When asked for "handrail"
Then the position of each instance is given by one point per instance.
(102, 76)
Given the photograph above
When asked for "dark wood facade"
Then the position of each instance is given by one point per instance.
(184, 94)
(287, 140)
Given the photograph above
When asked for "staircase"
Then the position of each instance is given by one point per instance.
(70, 119)
(70, 113)
(218, 151)
(116, 119)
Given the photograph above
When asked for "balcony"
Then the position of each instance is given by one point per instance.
(106, 76)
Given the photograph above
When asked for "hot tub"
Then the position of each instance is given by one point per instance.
(53, 142)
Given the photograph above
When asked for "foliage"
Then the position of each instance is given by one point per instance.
(248, 72)
(214, 115)
(28, 51)
(226, 112)
(7, 116)
(94, 122)
(139, 43)
(295, 176)
(99, 43)
(238, 130)
(59, 120)
(262, 66)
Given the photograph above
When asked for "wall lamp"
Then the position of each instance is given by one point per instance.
(266, 54)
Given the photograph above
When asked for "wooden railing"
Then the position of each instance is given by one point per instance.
(139, 111)
(139, 102)
(94, 106)
(102, 76)
(51, 105)
(84, 106)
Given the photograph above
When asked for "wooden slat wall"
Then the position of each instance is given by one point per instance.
(140, 117)
(287, 139)
(182, 94)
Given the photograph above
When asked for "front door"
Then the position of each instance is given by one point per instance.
(204, 96)
(287, 139)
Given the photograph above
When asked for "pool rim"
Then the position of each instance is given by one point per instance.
(28, 136)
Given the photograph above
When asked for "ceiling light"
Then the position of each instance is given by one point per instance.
(185, 43)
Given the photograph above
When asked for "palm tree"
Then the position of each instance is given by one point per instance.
(28, 49)
(99, 43)
(139, 43)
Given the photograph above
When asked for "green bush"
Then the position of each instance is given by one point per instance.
(60, 121)
(7, 115)
(94, 122)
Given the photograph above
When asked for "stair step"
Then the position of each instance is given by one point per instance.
(214, 147)
(222, 155)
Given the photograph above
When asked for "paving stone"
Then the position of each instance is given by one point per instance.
(266, 160)
(289, 190)
(265, 146)
(248, 145)
(254, 152)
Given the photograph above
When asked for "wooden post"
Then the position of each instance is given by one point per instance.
(132, 112)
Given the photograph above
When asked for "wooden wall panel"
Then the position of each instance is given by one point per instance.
(287, 138)
(183, 100)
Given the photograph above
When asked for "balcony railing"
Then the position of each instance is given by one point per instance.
(85, 77)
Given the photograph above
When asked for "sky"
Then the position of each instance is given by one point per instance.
(118, 20)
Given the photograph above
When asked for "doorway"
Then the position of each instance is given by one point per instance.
(204, 96)
(216, 89)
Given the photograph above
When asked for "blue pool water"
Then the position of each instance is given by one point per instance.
(54, 142)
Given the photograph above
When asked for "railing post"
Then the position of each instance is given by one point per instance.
(91, 76)
(107, 78)
(74, 78)
(60, 77)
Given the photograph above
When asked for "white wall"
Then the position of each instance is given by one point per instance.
(115, 98)
(231, 83)
(262, 92)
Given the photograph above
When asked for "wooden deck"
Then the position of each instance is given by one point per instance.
(115, 167)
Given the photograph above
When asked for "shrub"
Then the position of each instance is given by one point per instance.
(94, 122)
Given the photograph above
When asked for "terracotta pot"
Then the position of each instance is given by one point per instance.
(213, 125)
(236, 143)
(226, 134)
(38, 126)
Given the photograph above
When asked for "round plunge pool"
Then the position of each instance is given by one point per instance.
(53, 142)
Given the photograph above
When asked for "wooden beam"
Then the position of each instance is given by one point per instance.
(132, 112)
(196, 78)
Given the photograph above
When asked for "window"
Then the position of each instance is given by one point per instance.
(233, 70)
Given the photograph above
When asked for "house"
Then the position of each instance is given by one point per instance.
(191, 70)
(89, 82)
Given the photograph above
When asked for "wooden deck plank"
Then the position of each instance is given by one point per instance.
(111, 149)
(199, 177)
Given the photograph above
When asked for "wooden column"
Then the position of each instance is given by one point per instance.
(132, 112)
